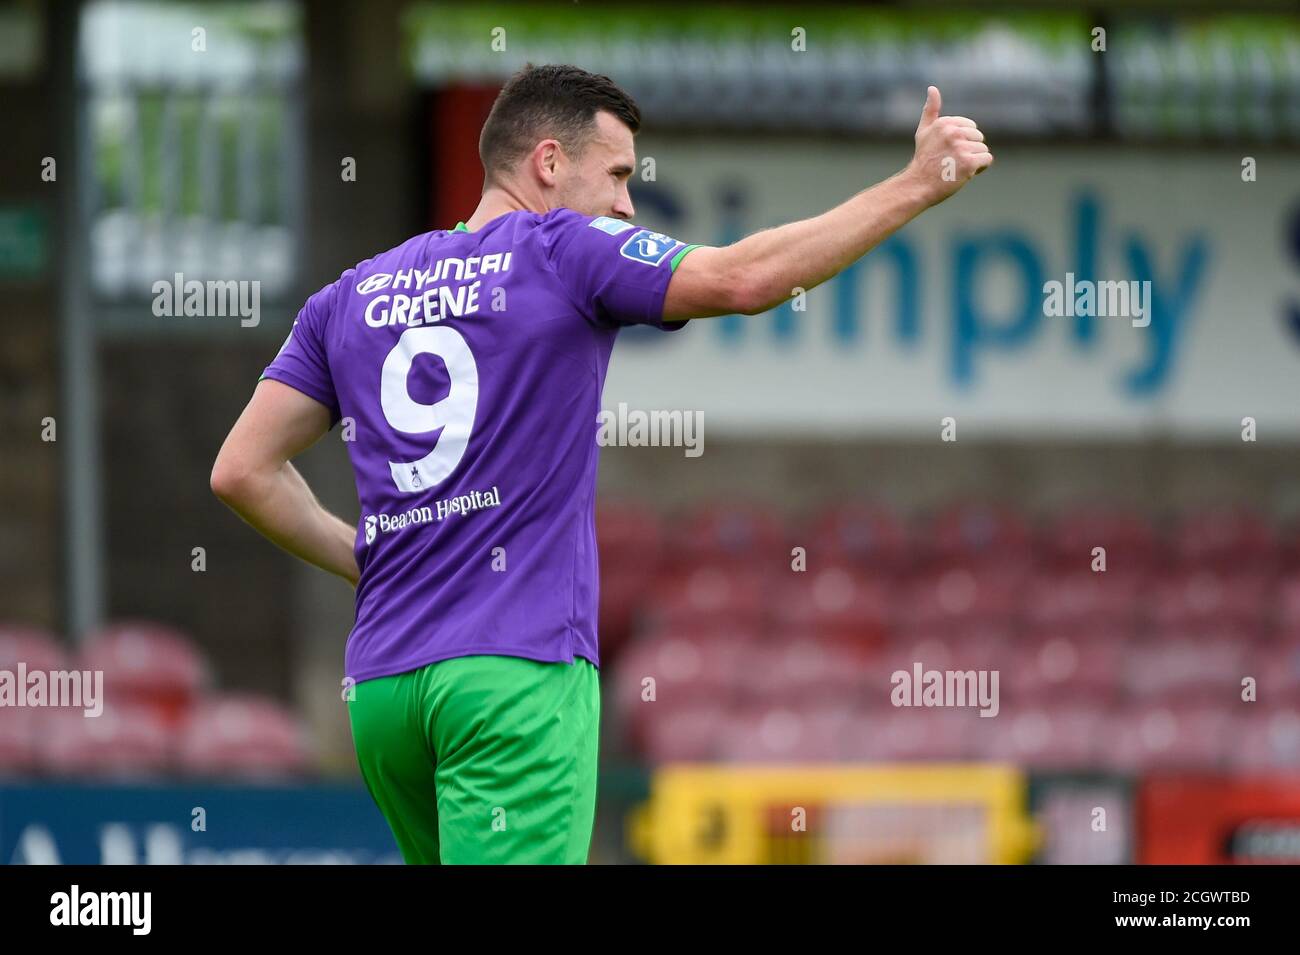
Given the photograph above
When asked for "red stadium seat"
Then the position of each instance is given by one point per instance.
(783, 735)
(1155, 737)
(710, 597)
(802, 672)
(243, 737)
(1185, 669)
(960, 595)
(1197, 598)
(690, 733)
(1227, 539)
(719, 535)
(126, 741)
(1275, 665)
(1289, 546)
(1288, 603)
(37, 649)
(18, 741)
(623, 596)
(148, 663)
(1048, 737)
(893, 734)
(837, 600)
(22, 728)
(1131, 542)
(700, 631)
(979, 535)
(685, 673)
(1067, 598)
(627, 532)
(1050, 667)
(861, 535)
(931, 647)
(630, 538)
(1266, 741)
(1133, 669)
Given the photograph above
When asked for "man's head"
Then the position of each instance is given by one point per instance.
(560, 136)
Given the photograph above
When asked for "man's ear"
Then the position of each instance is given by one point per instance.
(547, 158)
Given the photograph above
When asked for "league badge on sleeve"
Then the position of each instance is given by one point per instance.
(287, 338)
(649, 248)
(610, 226)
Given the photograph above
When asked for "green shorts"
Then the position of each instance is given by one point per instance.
(483, 759)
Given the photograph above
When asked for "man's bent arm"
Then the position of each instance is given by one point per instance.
(252, 475)
(766, 268)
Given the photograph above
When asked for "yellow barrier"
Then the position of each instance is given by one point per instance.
(846, 814)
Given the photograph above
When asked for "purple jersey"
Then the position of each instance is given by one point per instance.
(469, 367)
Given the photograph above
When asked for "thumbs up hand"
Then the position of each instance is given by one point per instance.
(950, 151)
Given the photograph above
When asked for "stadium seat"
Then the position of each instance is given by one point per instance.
(773, 734)
(710, 596)
(1226, 539)
(860, 535)
(684, 673)
(692, 733)
(242, 737)
(126, 741)
(630, 538)
(1066, 598)
(1266, 741)
(1122, 670)
(1198, 597)
(1288, 602)
(1275, 665)
(802, 672)
(838, 601)
(978, 535)
(18, 741)
(960, 594)
(20, 727)
(1152, 737)
(1067, 665)
(622, 598)
(1131, 543)
(149, 664)
(894, 734)
(628, 532)
(1047, 737)
(38, 649)
(1185, 668)
(1289, 546)
(720, 534)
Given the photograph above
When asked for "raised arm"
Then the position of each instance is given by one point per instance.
(764, 269)
(253, 477)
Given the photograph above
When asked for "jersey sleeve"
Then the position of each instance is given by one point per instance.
(302, 363)
(617, 273)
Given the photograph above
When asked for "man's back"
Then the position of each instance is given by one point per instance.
(469, 368)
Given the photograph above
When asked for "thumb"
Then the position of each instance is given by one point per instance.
(930, 112)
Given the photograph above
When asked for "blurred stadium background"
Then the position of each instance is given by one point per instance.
(1169, 156)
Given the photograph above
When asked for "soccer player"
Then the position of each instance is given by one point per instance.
(469, 363)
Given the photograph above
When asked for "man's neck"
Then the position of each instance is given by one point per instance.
(497, 201)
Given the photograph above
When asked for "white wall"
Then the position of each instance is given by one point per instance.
(1215, 248)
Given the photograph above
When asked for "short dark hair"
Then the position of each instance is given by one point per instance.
(549, 102)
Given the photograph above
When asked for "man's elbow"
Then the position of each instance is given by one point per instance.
(230, 481)
(741, 290)
(751, 296)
